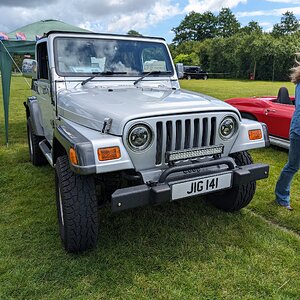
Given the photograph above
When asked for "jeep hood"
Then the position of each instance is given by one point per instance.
(90, 106)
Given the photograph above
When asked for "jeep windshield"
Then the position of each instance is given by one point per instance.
(78, 57)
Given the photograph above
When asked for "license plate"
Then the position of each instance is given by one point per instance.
(201, 186)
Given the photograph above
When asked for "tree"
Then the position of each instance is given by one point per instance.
(277, 30)
(289, 22)
(288, 25)
(185, 31)
(252, 27)
(228, 25)
(18, 60)
(207, 26)
(186, 53)
(133, 33)
(196, 27)
(187, 59)
(203, 51)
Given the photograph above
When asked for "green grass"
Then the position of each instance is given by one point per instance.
(182, 250)
(224, 89)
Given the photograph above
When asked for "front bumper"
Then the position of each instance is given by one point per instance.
(160, 192)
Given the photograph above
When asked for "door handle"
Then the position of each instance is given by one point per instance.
(267, 111)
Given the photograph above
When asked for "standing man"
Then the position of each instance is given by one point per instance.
(282, 190)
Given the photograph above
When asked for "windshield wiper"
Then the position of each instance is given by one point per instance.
(151, 73)
(95, 74)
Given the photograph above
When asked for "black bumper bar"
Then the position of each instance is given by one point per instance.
(222, 161)
(144, 194)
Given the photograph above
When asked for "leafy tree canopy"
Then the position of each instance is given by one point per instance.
(228, 24)
(252, 27)
(187, 59)
(227, 49)
(133, 33)
(196, 27)
(288, 25)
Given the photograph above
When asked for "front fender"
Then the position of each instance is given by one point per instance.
(86, 143)
(243, 143)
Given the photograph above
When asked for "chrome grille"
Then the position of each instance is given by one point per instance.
(183, 134)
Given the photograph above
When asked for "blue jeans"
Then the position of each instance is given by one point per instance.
(282, 190)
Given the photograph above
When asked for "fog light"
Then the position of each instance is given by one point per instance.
(109, 153)
(255, 134)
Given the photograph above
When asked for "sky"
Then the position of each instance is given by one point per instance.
(149, 17)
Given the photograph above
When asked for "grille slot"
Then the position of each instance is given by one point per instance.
(187, 134)
(184, 134)
(169, 136)
(213, 131)
(178, 135)
(159, 141)
(196, 133)
(204, 132)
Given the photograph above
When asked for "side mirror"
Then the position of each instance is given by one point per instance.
(29, 68)
(179, 70)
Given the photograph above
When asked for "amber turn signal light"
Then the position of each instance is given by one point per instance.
(255, 134)
(109, 153)
(73, 156)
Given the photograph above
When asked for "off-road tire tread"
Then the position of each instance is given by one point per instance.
(37, 157)
(238, 197)
(80, 209)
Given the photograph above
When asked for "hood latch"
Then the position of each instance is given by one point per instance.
(106, 125)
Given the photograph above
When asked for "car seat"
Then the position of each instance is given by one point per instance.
(283, 96)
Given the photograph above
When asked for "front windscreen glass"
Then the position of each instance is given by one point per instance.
(86, 56)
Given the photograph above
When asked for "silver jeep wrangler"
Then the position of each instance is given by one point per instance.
(108, 112)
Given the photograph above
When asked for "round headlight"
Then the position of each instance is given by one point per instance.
(139, 137)
(227, 128)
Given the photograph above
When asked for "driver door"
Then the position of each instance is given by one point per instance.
(43, 92)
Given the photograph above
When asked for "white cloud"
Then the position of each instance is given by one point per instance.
(96, 27)
(267, 26)
(139, 20)
(21, 3)
(285, 1)
(273, 12)
(133, 21)
(103, 15)
(211, 5)
(97, 15)
(118, 16)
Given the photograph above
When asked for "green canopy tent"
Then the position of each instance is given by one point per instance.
(13, 46)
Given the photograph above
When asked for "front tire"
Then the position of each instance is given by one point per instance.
(76, 207)
(238, 197)
(35, 153)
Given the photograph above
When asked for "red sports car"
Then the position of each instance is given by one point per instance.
(274, 111)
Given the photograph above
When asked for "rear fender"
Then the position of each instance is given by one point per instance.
(33, 112)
